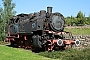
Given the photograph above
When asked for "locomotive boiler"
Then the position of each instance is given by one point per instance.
(42, 30)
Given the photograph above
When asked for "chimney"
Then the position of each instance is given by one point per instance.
(49, 10)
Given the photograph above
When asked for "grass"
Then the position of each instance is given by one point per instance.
(78, 31)
(70, 54)
(2, 42)
(9, 53)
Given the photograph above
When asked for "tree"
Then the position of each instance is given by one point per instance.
(68, 21)
(88, 20)
(1, 23)
(8, 10)
(80, 15)
(81, 18)
(89, 16)
(5, 14)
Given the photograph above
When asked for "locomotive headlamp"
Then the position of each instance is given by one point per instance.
(59, 42)
(77, 42)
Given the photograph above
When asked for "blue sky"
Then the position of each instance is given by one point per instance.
(66, 7)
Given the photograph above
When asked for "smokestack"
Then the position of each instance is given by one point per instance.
(49, 11)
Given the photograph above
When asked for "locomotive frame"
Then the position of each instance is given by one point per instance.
(39, 31)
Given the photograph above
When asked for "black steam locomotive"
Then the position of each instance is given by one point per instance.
(39, 31)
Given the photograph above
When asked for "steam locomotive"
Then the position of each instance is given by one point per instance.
(39, 31)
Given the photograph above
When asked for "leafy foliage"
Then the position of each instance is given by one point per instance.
(80, 15)
(6, 12)
(69, 54)
(1, 24)
(79, 20)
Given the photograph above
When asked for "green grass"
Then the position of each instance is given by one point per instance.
(70, 54)
(78, 31)
(9, 53)
(2, 42)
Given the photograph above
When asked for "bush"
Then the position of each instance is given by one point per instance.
(69, 54)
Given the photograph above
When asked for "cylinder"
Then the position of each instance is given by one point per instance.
(49, 10)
